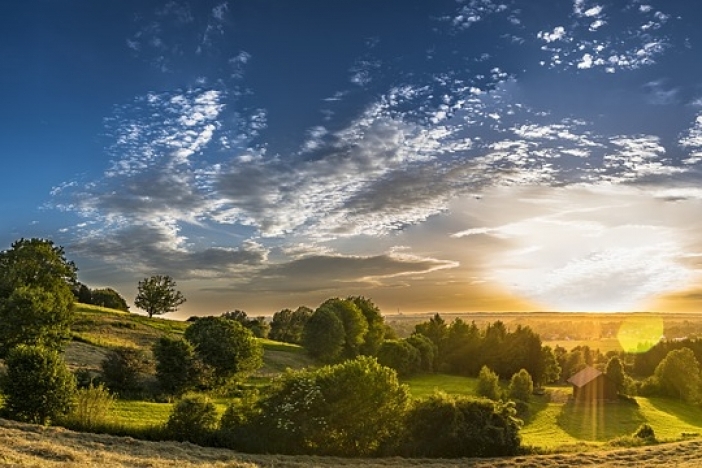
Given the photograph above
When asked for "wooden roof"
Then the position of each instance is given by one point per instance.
(584, 377)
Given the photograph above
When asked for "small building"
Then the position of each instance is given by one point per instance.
(591, 384)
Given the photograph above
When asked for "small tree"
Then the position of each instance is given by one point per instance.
(121, 369)
(521, 386)
(158, 295)
(175, 365)
(615, 372)
(38, 386)
(226, 346)
(488, 384)
(550, 370)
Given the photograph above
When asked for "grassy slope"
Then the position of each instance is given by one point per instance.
(97, 329)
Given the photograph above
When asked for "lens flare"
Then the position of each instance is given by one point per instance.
(639, 334)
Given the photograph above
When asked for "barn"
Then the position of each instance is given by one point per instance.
(591, 384)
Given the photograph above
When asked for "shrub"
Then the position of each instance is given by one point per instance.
(488, 384)
(121, 370)
(192, 419)
(351, 409)
(645, 431)
(90, 408)
(38, 387)
(451, 427)
(225, 346)
(399, 355)
(521, 386)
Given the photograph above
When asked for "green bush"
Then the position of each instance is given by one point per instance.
(399, 355)
(350, 409)
(38, 387)
(175, 365)
(451, 427)
(121, 370)
(488, 384)
(521, 386)
(193, 418)
(226, 347)
(645, 431)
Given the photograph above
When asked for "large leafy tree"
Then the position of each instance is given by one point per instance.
(158, 295)
(678, 375)
(226, 346)
(36, 298)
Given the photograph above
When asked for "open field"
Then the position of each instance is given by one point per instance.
(45, 447)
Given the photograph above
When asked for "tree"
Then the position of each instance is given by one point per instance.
(36, 298)
(678, 375)
(258, 326)
(35, 262)
(175, 365)
(289, 326)
(38, 387)
(230, 349)
(550, 370)
(427, 351)
(521, 386)
(122, 368)
(348, 409)
(354, 324)
(615, 372)
(451, 427)
(158, 295)
(108, 297)
(324, 335)
(399, 355)
(488, 384)
(375, 334)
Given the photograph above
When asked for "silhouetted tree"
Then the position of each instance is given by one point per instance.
(158, 295)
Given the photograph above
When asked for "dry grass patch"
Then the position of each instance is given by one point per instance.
(29, 445)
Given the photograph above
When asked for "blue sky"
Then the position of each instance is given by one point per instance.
(431, 155)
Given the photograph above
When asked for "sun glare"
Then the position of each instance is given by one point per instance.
(639, 334)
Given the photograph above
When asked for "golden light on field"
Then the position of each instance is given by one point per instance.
(639, 334)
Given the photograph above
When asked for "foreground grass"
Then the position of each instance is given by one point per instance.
(43, 447)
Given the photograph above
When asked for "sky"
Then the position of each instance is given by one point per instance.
(433, 156)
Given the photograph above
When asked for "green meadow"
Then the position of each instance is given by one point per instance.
(552, 422)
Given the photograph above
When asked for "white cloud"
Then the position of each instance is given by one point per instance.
(558, 34)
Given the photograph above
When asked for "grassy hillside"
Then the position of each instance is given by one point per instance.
(44, 447)
(97, 329)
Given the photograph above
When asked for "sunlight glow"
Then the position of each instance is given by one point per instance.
(639, 334)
